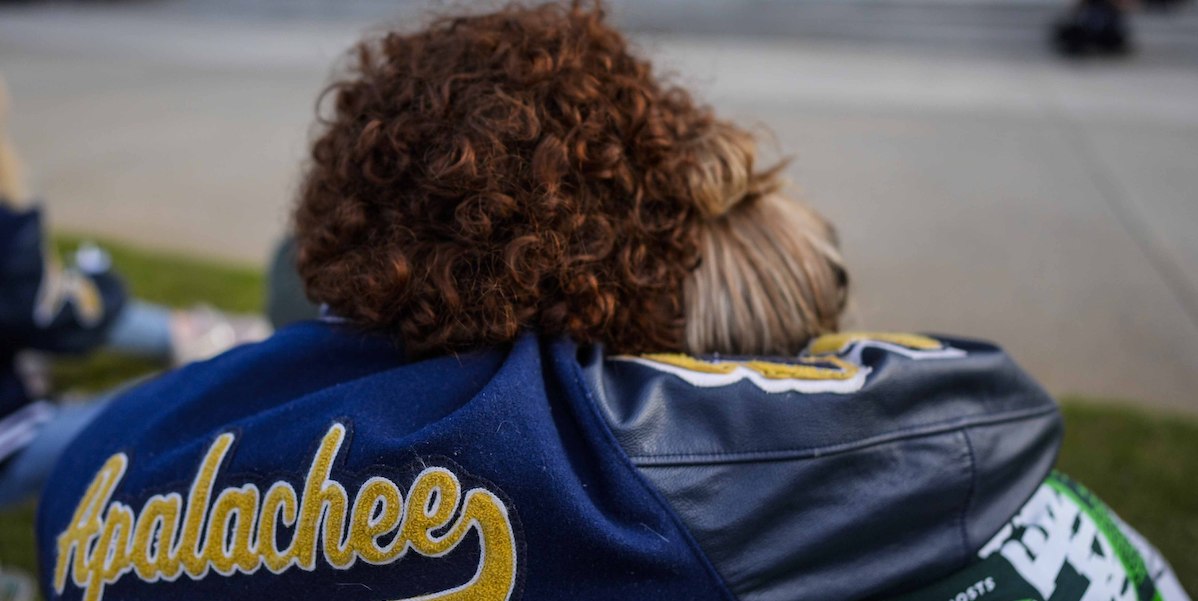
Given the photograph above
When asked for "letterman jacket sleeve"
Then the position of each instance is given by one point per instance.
(43, 305)
(869, 464)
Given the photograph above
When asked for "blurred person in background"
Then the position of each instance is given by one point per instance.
(579, 345)
(50, 308)
(1100, 27)
(1094, 27)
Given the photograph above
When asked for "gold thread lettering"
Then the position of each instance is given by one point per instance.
(151, 554)
(382, 497)
(188, 552)
(431, 503)
(233, 513)
(86, 523)
(279, 506)
(237, 531)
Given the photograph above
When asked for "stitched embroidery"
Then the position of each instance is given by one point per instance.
(107, 540)
(851, 344)
(824, 373)
(835, 343)
(831, 364)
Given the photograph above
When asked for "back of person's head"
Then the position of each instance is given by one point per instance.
(523, 170)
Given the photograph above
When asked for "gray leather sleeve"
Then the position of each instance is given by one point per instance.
(815, 496)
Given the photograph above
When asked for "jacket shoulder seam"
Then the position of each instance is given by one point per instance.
(969, 496)
(802, 453)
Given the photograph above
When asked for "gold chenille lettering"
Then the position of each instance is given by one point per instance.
(234, 513)
(110, 558)
(337, 550)
(496, 575)
(86, 524)
(323, 498)
(279, 506)
(431, 503)
(154, 538)
(382, 497)
(237, 529)
(188, 553)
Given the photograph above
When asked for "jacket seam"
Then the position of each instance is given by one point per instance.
(966, 548)
(801, 453)
(609, 438)
(1032, 492)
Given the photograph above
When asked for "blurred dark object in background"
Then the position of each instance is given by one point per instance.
(286, 302)
(1101, 27)
(1093, 27)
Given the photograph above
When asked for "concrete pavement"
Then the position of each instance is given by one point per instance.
(981, 188)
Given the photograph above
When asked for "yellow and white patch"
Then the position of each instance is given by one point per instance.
(62, 289)
(238, 531)
(830, 364)
(808, 374)
(911, 346)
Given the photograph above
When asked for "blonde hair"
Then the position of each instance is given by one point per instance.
(13, 188)
(770, 276)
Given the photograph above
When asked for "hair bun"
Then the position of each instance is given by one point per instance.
(722, 174)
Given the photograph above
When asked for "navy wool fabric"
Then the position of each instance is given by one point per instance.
(515, 421)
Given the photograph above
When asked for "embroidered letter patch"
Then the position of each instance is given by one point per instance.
(831, 363)
(237, 529)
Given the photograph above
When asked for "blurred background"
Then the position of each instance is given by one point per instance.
(985, 181)
(983, 184)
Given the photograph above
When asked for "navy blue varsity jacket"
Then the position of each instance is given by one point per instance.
(321, 465)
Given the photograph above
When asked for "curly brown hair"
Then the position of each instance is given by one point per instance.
(500, 172)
